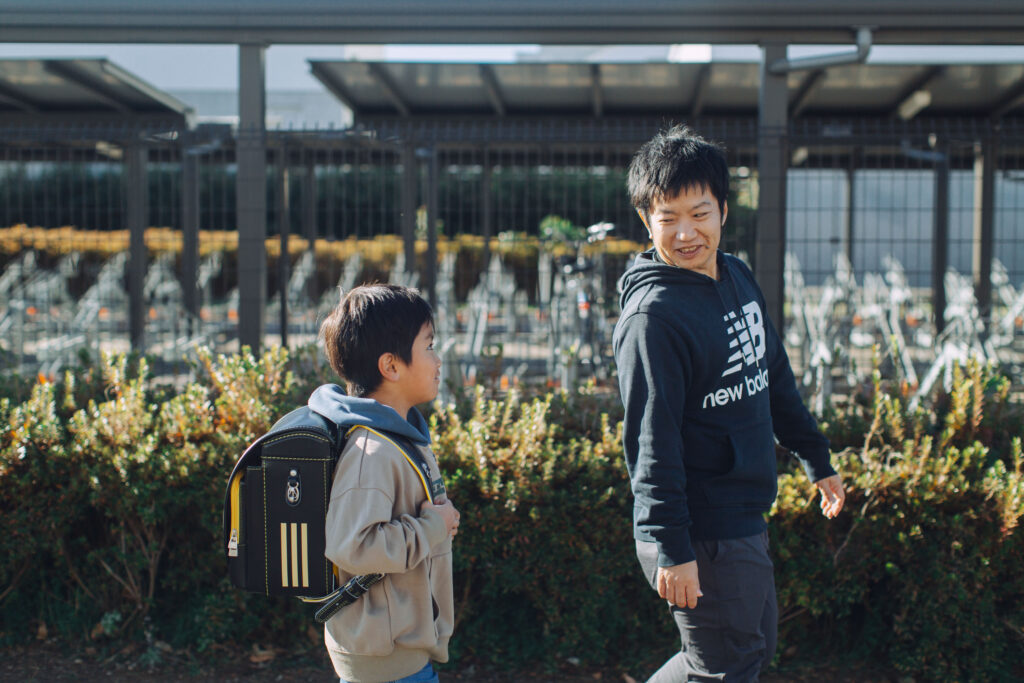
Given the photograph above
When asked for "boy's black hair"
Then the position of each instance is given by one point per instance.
(372, 320)
(676, 159)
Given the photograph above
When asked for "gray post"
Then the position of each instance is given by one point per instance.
(940, 240)
(309, 203)
(251, 157)
(136, 190)
(984, 226)
(409, 187)
(851, 199)
(433, 212)
(190, 233)
(772, 163)
(485, 207)
(283, 226)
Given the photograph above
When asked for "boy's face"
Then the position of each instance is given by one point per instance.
(687, 228)
(422, 376)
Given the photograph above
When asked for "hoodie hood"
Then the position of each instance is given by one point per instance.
(649, 269)
(332, 402)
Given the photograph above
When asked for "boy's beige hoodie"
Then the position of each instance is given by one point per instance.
(374, 525)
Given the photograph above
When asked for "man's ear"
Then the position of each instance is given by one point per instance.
(643, 219)
(388, 366)
(725, 211)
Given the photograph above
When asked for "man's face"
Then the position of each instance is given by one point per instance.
(687, 228)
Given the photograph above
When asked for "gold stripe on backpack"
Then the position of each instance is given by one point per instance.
(294, 537)
(284, 555)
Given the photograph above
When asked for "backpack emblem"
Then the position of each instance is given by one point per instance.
(293, 493)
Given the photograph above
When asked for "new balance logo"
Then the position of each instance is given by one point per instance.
(747, 332)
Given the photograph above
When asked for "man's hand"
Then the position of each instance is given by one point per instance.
(832, 495)
(679, 584)
(447, 511)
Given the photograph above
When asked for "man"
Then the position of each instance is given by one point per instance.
(706, 386)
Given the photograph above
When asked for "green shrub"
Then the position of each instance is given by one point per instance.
(110, 523)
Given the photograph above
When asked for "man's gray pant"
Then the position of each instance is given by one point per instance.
(732, 632)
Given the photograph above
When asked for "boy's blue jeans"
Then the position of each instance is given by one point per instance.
(424, 675)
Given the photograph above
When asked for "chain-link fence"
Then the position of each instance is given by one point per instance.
(489, 219)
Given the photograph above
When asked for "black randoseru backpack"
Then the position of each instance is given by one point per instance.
(275, 511)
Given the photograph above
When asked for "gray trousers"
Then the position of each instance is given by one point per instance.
(732, 632)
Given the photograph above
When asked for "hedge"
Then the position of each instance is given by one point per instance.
(111, 492)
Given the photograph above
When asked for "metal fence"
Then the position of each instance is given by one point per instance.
(875, 214)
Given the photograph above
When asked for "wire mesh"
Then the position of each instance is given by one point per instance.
(358, 205)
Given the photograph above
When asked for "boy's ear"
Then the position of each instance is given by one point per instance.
(725, 211)
(388, 366)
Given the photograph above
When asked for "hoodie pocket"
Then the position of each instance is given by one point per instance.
(752, 480)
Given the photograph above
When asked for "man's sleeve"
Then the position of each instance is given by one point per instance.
(794, 426)
(652, 382)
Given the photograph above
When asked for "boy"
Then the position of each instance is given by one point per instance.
(707, 387)
(380, 338)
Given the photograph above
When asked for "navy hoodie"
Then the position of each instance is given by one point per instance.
(332, 402)
(706, 386)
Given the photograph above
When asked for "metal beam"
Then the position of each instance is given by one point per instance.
(251, 195)
(334, 86)
(912, 22)
(69, 72)
(147, 90)
(16, 99)
(700, 91)
(772, 162)
(1012, 98)
(493, 89)
(596, 96)
(383, 78)
(921, 82)
(807, 89)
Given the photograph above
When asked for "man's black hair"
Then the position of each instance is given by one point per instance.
(673, 160)
(372, 320)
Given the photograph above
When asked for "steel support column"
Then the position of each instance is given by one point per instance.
(190, 235)
(251, 155)
(772, 162)
(283, 213)
(410, 177)
(851, 204)
(136, 190)
(309, 203)
(940, 240)
(486, 221)
(984, 224)
(433, 213)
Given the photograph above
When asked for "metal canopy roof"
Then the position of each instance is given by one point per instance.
(77, 86)
(512, 21)
(727, 88)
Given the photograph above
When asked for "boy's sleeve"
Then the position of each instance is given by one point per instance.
(362, 535)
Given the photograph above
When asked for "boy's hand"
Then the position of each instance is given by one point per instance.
(448, 513)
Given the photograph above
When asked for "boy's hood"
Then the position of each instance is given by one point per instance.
(332, 402)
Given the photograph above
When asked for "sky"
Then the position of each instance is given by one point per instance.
(215, 67)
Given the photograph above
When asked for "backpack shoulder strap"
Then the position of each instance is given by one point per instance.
(410, 452)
